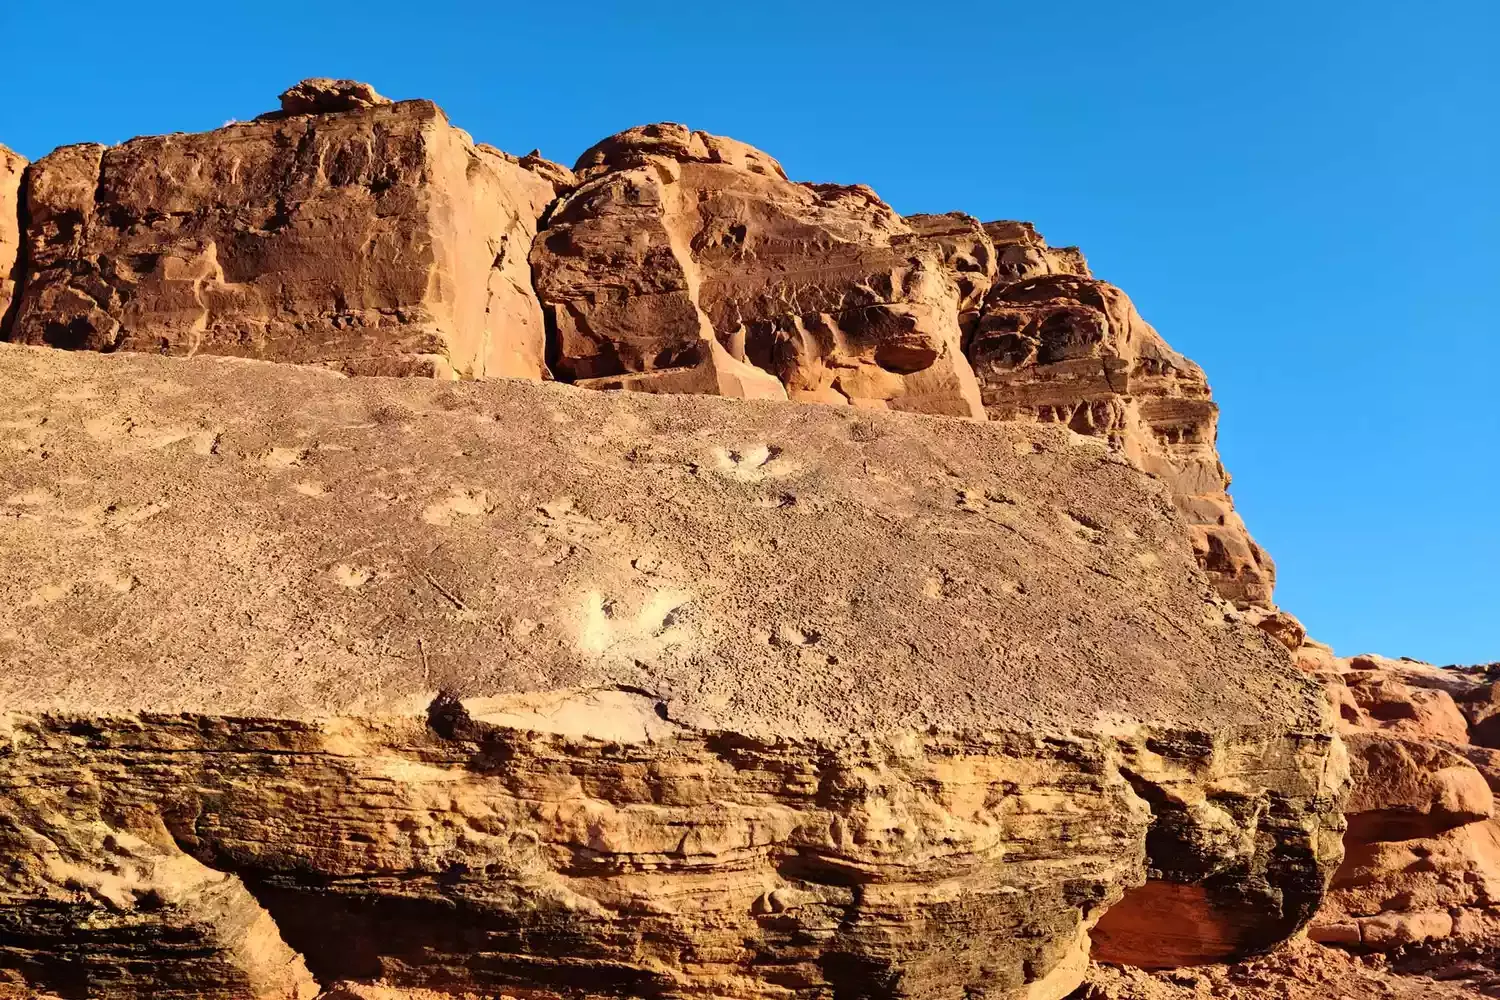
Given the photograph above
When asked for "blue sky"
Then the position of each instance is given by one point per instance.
(1300, 196)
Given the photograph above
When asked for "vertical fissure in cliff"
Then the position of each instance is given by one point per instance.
(551, 336)
(19, 269)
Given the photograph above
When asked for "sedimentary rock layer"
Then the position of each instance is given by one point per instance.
(376, 237)
(505, 685)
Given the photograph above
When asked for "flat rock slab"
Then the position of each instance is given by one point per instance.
(308, 679)
(244, 538)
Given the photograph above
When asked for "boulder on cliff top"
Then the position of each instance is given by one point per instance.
(502, 685)
(319, 96)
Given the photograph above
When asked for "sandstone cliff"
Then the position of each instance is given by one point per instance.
(314, 681)
(365, 233)
(376, 237)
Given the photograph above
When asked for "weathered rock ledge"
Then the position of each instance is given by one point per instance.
(510, 686)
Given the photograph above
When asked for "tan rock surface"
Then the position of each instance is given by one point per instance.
(1059, 347)
(743, 699)
(369, 235)
(1421, 871)
(12, 169)
(1084, 560)
(678, 239)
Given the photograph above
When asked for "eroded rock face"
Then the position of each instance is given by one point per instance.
(348, 230)
(1057, 346)
(502, 686)
(1422, 862)
(12, 169)
(682, 250)
(353, 231)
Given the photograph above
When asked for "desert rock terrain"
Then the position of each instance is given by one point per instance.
(618, 692)
(934, 662)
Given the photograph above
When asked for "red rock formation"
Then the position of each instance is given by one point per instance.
(1422, 862)
(351, 231)
(348, 230)
(519, 688)
(344, 229)
(1057, 346)
(682, 250)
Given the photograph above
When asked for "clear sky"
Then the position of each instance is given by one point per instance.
(1302, 196)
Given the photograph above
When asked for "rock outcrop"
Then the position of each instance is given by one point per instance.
(1423, 848)
(307, 679)
(372, 236)
(347, 230)
(682, 250)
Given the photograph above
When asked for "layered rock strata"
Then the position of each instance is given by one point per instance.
(345, 229)
(502, 686)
